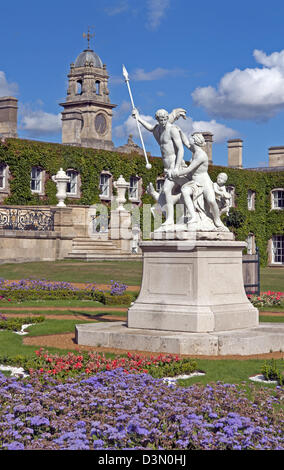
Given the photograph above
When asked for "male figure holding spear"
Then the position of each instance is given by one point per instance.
(169, 139)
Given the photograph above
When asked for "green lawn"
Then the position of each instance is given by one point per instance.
(272, 279)
(100, 272)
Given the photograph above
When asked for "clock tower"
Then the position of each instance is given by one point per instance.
(87, 115)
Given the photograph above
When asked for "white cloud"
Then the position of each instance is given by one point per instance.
(39, 122)
(121, 7)
(156, 12)
(156, 74)
(252, 93)
(7, 89)
(220, 132)
(124, 108)
(130, 127)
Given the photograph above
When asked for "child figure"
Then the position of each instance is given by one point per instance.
(223, 198)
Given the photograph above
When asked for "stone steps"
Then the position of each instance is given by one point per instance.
(90, 249)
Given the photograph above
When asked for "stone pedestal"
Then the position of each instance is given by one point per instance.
(192, 286)
(192, 301)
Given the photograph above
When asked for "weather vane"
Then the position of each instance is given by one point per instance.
(88, 35)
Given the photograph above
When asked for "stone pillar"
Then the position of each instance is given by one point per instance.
(276, 156)
(235, 153)
(8, 116)
(208, 136)
(71, 127)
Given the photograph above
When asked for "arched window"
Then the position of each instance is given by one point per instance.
(79, 87)
(98, 87)
(277, 198)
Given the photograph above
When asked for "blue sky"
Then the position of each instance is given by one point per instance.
(221, 61)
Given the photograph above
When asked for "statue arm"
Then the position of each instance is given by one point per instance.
(147, 125)
(192, 167)
(175, 134)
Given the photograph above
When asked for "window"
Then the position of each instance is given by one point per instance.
(36, 180)
(133, 188)
(160, 185)
(98, 87)
(278, 199)
(251, 200)
(79, 87)
(278, 249)
(231, 191)
(250, 244)
(2, 176)
(105, 185)
(72, 185)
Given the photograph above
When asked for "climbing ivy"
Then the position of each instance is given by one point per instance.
(20, 155)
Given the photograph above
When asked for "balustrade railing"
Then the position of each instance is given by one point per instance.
(32, 219)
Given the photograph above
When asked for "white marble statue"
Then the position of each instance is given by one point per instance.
(223, 197)
(190, 184)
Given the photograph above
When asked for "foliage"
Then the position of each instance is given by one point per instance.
(114, 410)
(31, 289)
(262, 222)
(267, 299)
(15, 324)
(270, 371)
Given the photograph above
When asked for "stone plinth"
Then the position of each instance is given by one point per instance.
(192, 301)
(192, 286)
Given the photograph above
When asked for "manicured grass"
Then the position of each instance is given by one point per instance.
(269, 319)
(229, 371)
(64, 312)
(53, 327)
(51, 303)
(100, 272)
(272, 279)
(275, 308)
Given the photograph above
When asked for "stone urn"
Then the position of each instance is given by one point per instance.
(61, 180)
(121, 185)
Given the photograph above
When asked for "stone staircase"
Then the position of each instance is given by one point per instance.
(89, 249)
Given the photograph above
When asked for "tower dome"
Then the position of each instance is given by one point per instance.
(89, 56)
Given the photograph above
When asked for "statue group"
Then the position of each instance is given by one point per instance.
(188, 185)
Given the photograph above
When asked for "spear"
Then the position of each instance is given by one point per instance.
(125, 74)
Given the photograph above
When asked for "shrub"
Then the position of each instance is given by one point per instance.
(123, 299)
(270, 371)
(15, 324)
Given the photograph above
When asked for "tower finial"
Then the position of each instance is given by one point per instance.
(88, 35)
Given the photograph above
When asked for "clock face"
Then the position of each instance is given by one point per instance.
(100, 124)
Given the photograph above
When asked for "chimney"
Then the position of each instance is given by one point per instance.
(208, 136)
(8, 116)
(276, 156)
(235, 153)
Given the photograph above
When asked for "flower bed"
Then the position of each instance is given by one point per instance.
(71, 364)
(31, 289)
(114, 410)
(267, 299)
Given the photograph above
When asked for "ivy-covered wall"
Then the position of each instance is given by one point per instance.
(20, 155)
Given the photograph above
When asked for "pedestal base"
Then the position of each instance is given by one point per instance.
(263, 339)
(192, 286)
